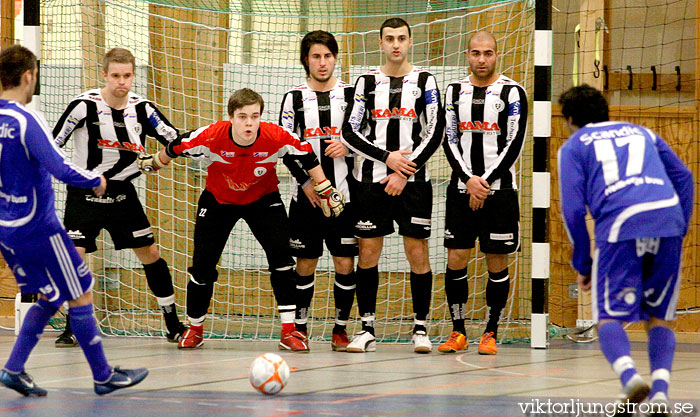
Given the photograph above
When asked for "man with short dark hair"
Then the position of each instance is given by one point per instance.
(315, 111)
(109, 127)
(395, 125)
(241, 154)
(33, 242)
(640, 195)
(486, 122)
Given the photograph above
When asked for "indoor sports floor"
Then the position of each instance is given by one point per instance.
(394, 381)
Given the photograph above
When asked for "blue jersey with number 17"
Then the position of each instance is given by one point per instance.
(630, 180)
(28, 158)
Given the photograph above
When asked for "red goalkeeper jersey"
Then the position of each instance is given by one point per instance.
(241, 174)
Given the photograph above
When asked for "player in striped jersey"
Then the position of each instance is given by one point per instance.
(109, 128)
(315, 111)
(33, 242)
(242, 184)
(486, 119)
(640, 195)
(395, 124)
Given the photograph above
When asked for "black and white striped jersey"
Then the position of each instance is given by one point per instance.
(393, 113)
(108, 140)
(316, 117)
(485, 131)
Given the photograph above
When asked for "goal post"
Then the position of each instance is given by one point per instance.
(191, 55)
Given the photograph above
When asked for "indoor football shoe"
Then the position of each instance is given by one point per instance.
(176, 333)
(66, 339)
(340, 341)
(294, 341)
(120, 378)
(21, 382)
(456, 343)
(192, 338)
(659, 406)
(634, 392)
(487, 345)
(421, 342)
(363, 341)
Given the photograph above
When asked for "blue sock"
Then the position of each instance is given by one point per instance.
(616, 348)
(662, 344)
(85, 330)
(32, 327)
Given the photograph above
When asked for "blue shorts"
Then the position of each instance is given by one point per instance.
(634, 280)
(49, 265)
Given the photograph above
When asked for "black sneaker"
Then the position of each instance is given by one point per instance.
(66, 339)
(22, 383)
(120, 378)
(175, 334)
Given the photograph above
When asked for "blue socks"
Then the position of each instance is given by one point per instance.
(616, 348)
(662, 344)
(32, 327)
(85, 330)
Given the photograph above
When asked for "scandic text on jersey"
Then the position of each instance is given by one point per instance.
(395, 113)
(480, 127)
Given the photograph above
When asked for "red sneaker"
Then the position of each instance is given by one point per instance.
(340, 341)
(294, 341)
(192, 339)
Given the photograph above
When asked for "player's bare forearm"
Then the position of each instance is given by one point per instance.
(316, 174)
(335, 149)
(398, 162)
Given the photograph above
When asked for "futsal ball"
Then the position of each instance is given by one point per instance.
(269, 373)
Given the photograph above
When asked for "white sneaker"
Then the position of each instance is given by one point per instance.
(659, 406)
(421, 343)
(362, 342)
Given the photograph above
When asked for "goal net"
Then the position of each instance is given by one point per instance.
(191, 55)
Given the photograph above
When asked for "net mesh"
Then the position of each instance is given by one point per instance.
(190, 56)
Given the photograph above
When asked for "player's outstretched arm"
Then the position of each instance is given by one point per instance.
(41, 146)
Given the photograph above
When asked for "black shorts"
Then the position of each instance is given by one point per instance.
(309, 228)
(497, 224)
(119, 211)
(266, 217)
(376, 210)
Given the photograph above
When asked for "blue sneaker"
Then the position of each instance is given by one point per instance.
(22, 383)
(120, 378)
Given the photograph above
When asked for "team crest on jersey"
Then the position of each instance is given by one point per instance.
(227, 154)
(342, 106)
(260, 171)
(138, 129)
(498, 105)
(415, 92)
(395, 113)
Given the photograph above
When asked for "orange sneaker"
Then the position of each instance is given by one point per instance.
(295, 341)
(340, 341)
(192, 338)
(457, 342)
(487, 345)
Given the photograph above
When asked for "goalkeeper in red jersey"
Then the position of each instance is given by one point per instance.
(242, 184)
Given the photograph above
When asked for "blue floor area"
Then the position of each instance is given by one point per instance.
(61, 403)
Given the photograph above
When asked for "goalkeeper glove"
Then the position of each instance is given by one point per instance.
(332, 201)
(149, 163)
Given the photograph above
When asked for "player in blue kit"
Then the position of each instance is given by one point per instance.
(640, 195)
(33, 241)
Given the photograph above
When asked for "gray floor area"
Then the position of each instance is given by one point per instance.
(393, 381)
